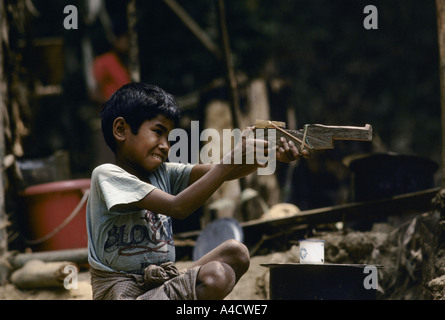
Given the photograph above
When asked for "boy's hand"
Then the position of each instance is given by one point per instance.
(248, 151)
(289, 151)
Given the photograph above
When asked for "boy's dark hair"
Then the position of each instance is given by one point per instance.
(136, 103)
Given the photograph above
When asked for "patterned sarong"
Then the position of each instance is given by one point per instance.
(162, 282)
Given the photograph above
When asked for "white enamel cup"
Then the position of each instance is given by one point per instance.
(312, 251)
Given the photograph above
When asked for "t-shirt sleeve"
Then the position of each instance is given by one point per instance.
(120, 188)
(179, 176)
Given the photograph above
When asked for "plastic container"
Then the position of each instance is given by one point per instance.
(54, 215)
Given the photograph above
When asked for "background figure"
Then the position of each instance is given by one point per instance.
(110, 72)
(110, 68)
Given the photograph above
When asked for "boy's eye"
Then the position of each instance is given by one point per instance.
(158, 131)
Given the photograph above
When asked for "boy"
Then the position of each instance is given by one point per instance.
(131, 203)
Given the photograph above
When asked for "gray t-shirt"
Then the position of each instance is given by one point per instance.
(130, 241)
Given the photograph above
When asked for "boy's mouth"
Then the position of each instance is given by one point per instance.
(158, 156)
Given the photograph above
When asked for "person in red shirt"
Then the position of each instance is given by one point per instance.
(110, 70)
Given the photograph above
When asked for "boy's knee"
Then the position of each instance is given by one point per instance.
(239, 253)
(217, 278)
(222, 275)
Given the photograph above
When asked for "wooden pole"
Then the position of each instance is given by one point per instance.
(133, 65)
(231, 82)
(440, 11)
(77, 256)
(194, 27)
(230, 71)
(3, 94)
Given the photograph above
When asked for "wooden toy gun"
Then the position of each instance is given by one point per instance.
(315, 136)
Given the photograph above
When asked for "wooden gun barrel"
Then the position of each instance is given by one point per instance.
(315, 136)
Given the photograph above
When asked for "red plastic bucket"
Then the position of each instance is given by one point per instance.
(54, 215)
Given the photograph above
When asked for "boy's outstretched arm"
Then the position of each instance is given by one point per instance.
(287, 153)
(205, 179)
(190, 199)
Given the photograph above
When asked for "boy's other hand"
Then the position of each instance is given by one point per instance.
(289, 152)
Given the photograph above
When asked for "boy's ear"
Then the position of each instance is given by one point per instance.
(119, 128)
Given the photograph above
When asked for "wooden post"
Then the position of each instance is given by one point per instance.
(440, 11)
(134, 66)
(230, 73)
(194, 27)
(3, 95)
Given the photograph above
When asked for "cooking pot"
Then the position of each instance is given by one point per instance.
(294, 281)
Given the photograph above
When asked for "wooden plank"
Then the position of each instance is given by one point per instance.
(416, 202)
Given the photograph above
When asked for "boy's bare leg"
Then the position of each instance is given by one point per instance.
(221, 269)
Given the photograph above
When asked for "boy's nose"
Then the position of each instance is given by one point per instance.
(164, 144)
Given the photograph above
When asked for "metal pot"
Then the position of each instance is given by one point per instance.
(293, 281)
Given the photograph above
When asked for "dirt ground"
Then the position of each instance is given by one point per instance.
(412, 255)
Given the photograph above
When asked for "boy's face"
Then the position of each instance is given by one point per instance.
(148, 149)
